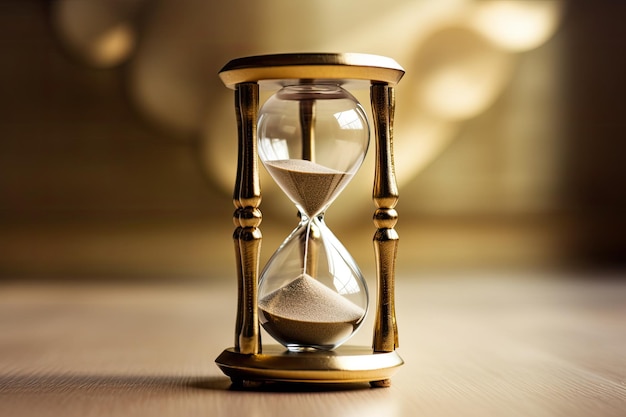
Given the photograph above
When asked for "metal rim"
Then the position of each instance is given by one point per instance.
(283, 69)
(346, 364)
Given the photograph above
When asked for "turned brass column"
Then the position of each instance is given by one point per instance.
(385, 197)
(247, 218)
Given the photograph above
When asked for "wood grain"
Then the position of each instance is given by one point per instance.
(492, 345)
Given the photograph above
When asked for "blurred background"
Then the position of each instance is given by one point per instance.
(118, 141)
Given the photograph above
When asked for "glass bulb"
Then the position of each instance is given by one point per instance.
(312, 129)
(312, 139)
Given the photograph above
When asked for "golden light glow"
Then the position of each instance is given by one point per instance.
(94, 31)
(424, 139)
(459, 74)
(459, 56)
(112, 46)
(517, 25)
(459, 93)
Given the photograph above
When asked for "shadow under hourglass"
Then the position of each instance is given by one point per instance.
(221, 384)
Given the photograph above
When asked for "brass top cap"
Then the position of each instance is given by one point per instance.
(339, 68)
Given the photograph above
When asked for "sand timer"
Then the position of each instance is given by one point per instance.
(312, 136)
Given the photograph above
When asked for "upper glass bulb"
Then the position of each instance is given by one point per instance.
(312, 140)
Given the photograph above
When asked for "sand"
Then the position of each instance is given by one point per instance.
(312, 186)
(306, 312)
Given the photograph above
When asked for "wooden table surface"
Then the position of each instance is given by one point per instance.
(482, 345)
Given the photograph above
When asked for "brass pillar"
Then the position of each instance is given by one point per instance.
(385, 195)
(247, 218)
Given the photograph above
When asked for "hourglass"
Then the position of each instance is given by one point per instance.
(312, 136)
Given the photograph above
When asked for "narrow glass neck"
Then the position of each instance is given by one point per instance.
(304, 219)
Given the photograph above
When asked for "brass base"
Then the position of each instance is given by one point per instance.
(346, 364)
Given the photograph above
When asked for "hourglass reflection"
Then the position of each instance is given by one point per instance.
(312, 136)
